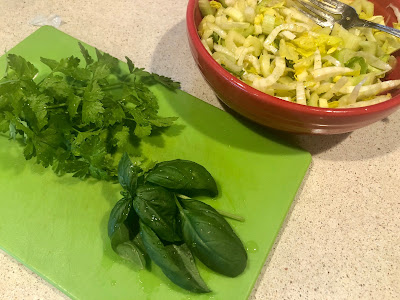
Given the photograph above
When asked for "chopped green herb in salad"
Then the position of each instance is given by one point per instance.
(276, 49)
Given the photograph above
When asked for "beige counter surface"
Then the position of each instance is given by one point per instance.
(341, 238)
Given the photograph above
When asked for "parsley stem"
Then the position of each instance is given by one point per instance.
(40, 82)
(8, 81)
(131, 119)
(57, 106)
(117, 85)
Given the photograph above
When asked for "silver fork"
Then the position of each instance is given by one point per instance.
(322, 10)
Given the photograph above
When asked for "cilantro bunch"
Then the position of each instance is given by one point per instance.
(79, 119)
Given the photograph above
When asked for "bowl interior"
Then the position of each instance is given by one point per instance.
(381, 8)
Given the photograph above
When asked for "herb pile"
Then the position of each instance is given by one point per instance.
(154, 222)
(87, 121)
(79, 119)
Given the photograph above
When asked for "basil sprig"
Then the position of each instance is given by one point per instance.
(155, 222)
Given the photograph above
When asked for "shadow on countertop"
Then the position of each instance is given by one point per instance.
(375, 140)
(378, 139)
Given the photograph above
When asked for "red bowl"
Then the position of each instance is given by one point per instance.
(280, 114)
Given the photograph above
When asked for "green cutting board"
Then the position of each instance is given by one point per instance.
(57, 226)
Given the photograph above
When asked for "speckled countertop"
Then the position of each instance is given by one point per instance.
(341, 238)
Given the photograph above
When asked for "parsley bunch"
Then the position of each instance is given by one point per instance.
(79, 119)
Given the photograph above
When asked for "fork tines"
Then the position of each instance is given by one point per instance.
(316, 14)
(332, 6)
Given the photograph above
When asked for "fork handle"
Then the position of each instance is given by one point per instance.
(365, 23)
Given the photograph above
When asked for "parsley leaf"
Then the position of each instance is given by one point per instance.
(92, 108)
(23, 69)
(121, 137)
(79, 118)
(38, 104)
(85, 54)
(166, 81)
(152, 78)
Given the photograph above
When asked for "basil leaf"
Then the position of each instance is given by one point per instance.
(128, 174)
(211, 238)
(119, 214)
(131, 250)
(183, 175)
(120, 235)
(124, 235)
(156, 207)
(176, 261)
